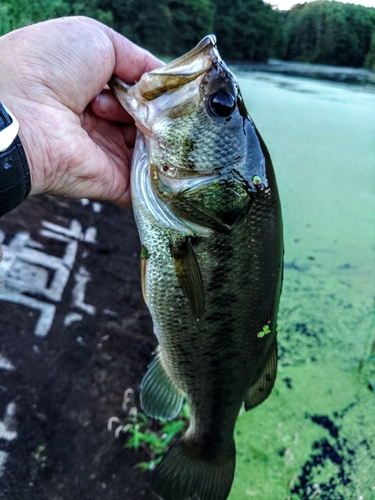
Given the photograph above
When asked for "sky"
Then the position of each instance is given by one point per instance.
(287, 4)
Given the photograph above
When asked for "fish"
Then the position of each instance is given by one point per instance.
(207, 208)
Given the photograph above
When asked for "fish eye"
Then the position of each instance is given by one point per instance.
(221, 103)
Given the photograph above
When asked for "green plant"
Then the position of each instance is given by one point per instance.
(40, 454)
(265, 331)
(153, 436)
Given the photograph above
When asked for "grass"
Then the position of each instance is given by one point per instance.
(150, 435)
(40, 455)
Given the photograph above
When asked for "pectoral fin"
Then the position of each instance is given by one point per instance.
(160, 396)
(263, 386)
(194, 212)
(189, 276)
(144, 257)
(143, 279)
(201, 204)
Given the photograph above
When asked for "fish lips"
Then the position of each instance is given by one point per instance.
(181, 71)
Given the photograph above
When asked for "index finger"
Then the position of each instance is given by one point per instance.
(131, 61)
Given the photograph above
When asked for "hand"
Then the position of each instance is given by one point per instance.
(78, 139)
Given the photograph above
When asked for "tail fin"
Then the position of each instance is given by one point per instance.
(184, 475)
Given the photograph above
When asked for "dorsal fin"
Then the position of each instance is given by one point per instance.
(262, 388)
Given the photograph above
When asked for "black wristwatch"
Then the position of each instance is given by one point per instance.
(15, 183)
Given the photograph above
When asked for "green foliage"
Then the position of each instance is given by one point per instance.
(246, 29)
(40, 455)
(167, 27)
(322, 31)
(90, 8)
(5, 19)
(15, 14)
(328, 32)
(370, 58)
(191, 20)
(143, 21)
(155, 441)
(265, 331)
(18, 13)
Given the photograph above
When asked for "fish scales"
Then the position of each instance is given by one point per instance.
(207, 209)
(187, 148)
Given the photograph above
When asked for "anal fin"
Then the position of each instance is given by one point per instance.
(189, 276)
(262, 388)
(160, 396)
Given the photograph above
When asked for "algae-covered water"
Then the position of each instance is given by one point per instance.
(315, 435)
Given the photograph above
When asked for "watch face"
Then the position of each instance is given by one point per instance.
(9, 128)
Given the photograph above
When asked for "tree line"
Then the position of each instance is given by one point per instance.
(322, 31)
(330, 32)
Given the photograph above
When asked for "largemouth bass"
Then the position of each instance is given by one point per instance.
(208, 213)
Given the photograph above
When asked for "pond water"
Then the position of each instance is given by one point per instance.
(315, 435)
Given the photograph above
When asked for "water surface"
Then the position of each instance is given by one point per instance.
(315, 436)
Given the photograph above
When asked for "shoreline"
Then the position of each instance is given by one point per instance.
(343, 74)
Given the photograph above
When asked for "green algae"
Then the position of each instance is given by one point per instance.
(318, 426)
(315, 435)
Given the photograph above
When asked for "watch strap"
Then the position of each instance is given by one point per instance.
(15, 182)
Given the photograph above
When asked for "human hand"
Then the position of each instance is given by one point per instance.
(50, 73)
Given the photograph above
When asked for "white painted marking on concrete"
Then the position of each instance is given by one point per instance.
(96, 207)
(30, 274)
(3, 459)
(72, 318)
(109, 312)
(7, 433)
(65, 234)
(74, 231)
(36, 349)
(54, 236)
(7, 426)
(79, 291)
(5, 364)
(90, 235)
(5, 264)
(26, 270)
(47, 311)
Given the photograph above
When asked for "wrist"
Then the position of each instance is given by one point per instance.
(15, 182)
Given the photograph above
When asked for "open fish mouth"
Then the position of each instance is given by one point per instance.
(181, 71)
